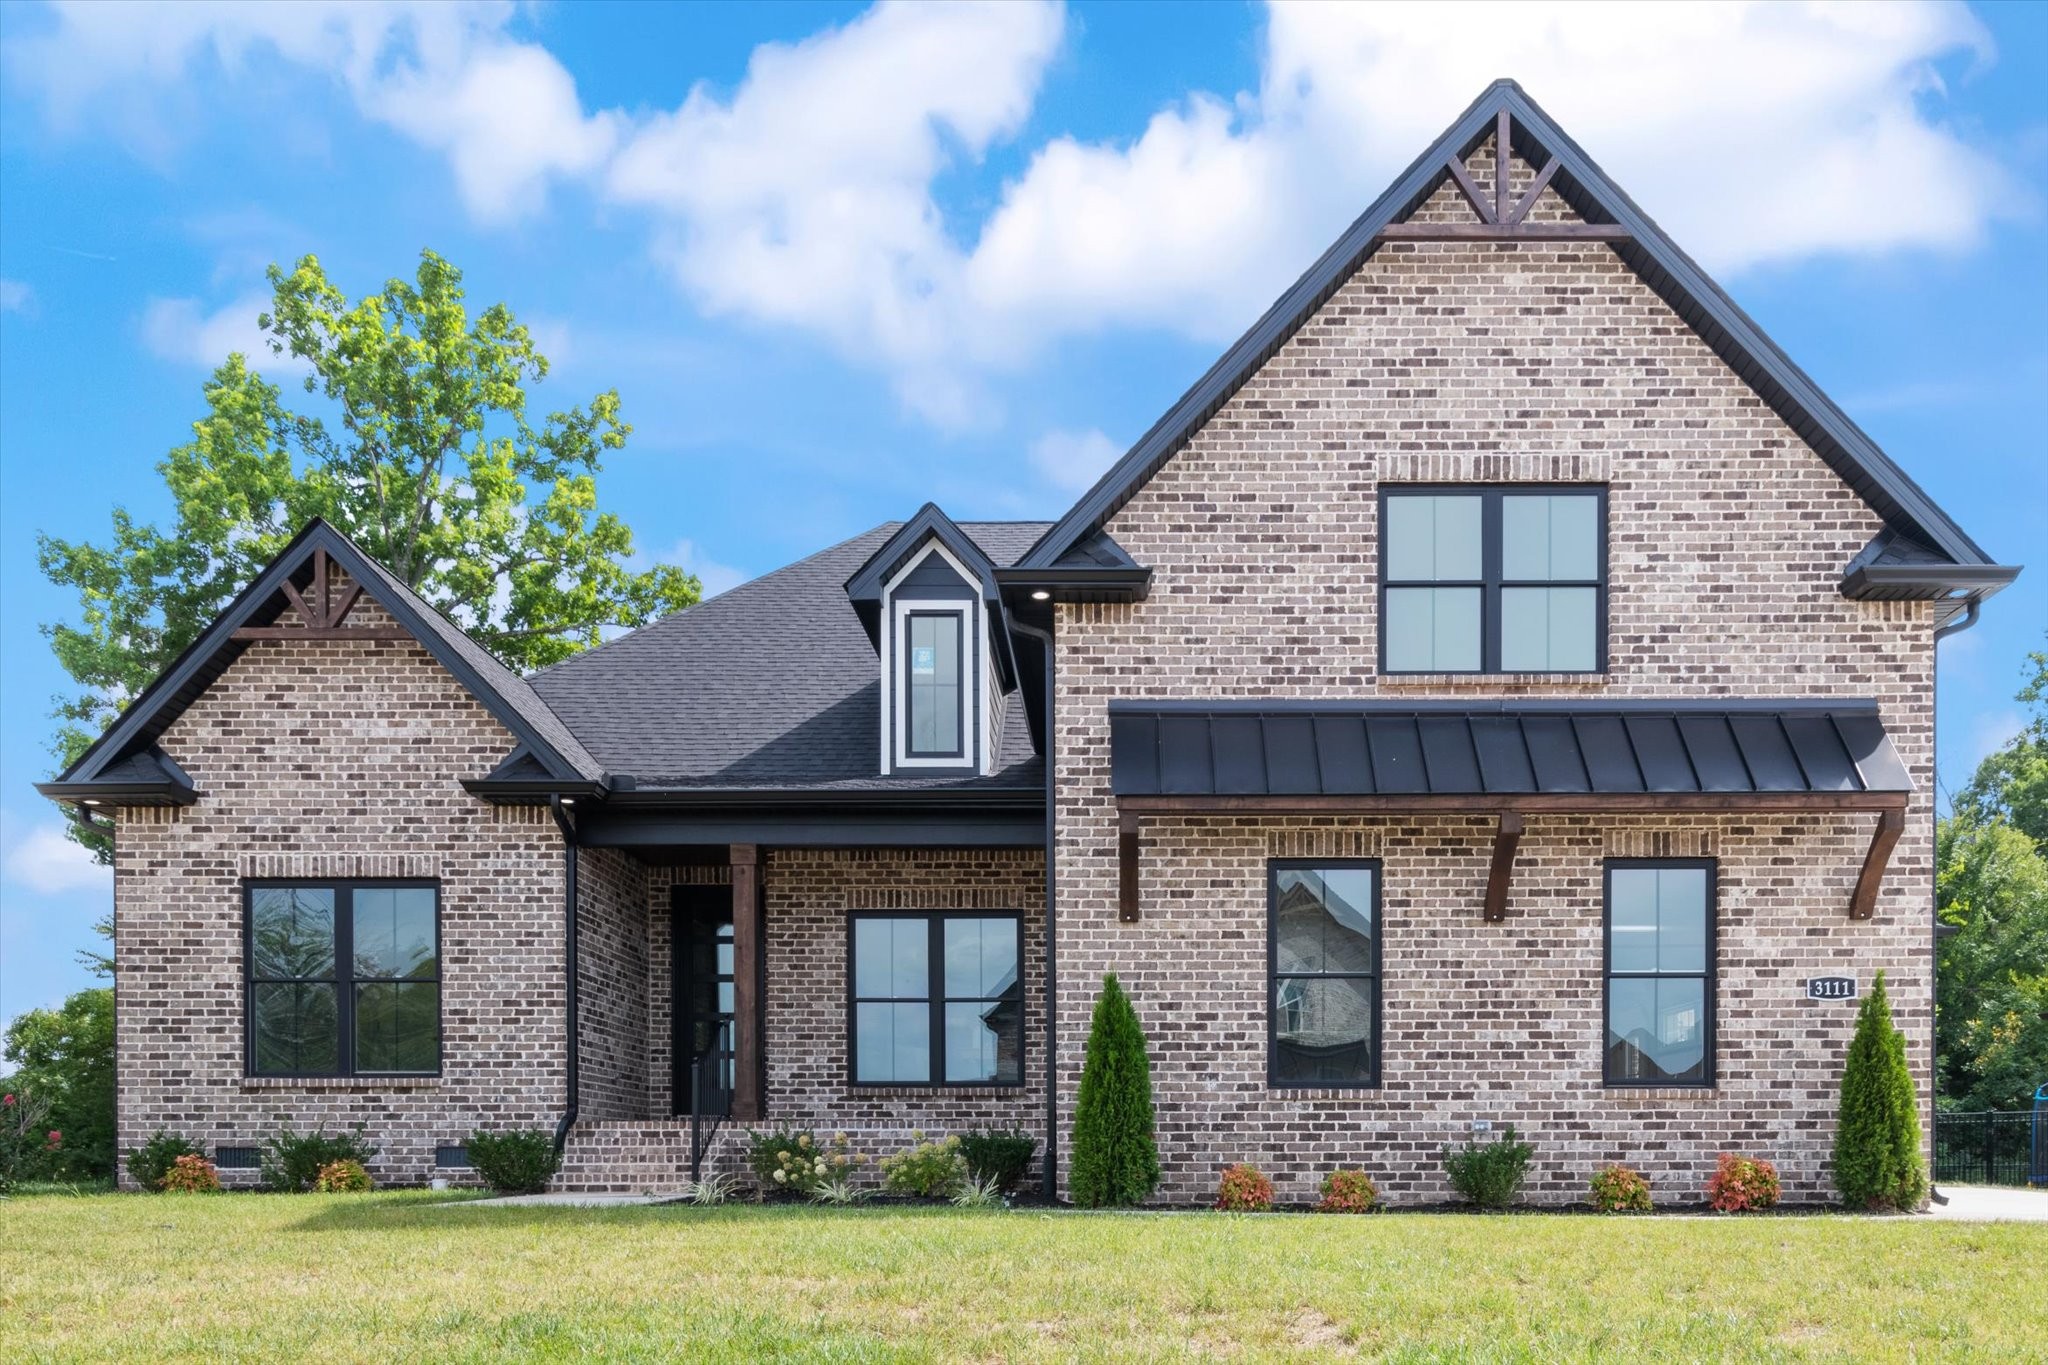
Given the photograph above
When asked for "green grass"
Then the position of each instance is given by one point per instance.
(388, 1276)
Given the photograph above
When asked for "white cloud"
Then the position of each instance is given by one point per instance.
(1073, 460)
(505, 112)
(45, 861)
(806, 197)
(689, 556)
(17, 296)
(182, 330)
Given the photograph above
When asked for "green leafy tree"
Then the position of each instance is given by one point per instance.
(1877, 1134)
(2012, 784)
(66, 1057)
(1116, 1160)
(416, 440)
(1991, 969)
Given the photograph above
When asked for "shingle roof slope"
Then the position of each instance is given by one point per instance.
(771, 685)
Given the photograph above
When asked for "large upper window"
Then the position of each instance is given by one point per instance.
(344, 979)
(931, 669)
(1324, 965)
(1660, 973)
(937, 1000)
(1493, 579)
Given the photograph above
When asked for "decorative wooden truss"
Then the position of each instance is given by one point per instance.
(1500, 219)
(322, 613)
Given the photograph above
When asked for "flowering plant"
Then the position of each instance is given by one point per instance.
(794, 1161)
(25, 1144)
(933, 1169)
(1245, 1189)
(1742, 1183)
(191, 1174)
(1621, 1189)
(1349, 1192)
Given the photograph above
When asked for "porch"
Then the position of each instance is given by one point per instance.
(876, 991)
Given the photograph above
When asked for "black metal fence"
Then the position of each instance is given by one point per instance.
(1989, 1149)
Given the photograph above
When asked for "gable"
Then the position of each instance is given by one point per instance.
(312, 589)
(1598, 211)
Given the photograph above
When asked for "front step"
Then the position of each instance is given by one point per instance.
(639, 1156)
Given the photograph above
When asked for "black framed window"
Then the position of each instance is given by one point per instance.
(1323, 968)
(344, 978)
(937, 999)
(931, 670)
(1495, 578)
(1660, 972)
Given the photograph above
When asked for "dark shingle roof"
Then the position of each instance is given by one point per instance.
(771, 685)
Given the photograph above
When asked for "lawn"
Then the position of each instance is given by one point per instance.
(389, 1275)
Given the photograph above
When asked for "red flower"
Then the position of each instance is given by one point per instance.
(8, 1100)
(55, 1137)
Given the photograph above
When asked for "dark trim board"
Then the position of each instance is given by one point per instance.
(876, 827)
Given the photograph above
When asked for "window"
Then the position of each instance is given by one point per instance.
(932, 673)
(1660, 973)
(1493, 579)
(937, 1000)
(1324, 964)
(344, 979)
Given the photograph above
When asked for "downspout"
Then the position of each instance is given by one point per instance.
(1969, 618)
(558, 808)
(1049, 1173)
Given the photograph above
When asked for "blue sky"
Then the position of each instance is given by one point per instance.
(840, 260)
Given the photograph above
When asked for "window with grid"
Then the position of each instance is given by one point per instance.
(1660, 972)
(937, 999)
(1323, 969)
(344, 978)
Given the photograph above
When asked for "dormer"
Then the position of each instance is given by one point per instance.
(929, 601)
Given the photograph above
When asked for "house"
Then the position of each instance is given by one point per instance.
(1491, 694)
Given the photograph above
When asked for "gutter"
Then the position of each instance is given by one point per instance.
(1048, 1177)
(1937, 930)
(558, 807)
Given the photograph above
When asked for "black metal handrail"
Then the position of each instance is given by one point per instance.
(710, 1094)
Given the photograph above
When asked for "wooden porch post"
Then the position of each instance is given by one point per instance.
(746, 981)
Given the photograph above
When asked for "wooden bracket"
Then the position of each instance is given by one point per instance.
(322, 613)
(1127, 866)
(1502, 219)
(1505, 840)
(1890, 824)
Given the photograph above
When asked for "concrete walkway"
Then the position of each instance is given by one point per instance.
(1991, 1204)
(569, 1201)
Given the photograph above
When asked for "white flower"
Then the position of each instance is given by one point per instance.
(781, 1176)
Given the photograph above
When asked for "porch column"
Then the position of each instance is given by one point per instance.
(746, 980)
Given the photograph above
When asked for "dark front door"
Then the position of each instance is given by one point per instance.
(701, 975)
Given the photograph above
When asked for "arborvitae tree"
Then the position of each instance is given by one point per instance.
(1877, 1137)
(1115, 1161)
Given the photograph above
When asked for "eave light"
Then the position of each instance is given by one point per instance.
(1041, 595)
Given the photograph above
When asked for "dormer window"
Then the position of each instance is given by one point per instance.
(934, 719)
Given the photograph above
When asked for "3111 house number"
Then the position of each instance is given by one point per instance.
(1831, 988)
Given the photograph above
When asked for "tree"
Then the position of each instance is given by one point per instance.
(65, 1056)
(1877, 1134)
(1116, 1161)
(1991, 969)
(418, 443)
(2012, 784)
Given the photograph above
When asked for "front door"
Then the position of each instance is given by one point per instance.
(700, 936)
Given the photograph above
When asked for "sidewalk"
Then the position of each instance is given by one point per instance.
(1991, 1204)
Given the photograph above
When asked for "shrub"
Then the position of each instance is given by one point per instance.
(517, 1161)
(792, 1160)
(1489, 1173)
(292, 1161)
(1001, 1157)
(25, 1141)
(932, 1169)
(342, 1177)
(1741, 1183)
(1115, 1157)
(1621, 1189)
(190, 1174)
(1877, 1136)
(1349, 1192)
(151, 1162)
(980, 1192)
(1244, 1189)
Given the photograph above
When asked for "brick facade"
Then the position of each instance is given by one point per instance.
(1491, 363)
(336, 759)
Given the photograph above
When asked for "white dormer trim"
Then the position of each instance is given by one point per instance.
(976, 714)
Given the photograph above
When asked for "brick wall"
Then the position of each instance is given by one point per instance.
(613, 1025)
(1495, 363)
(331, 759)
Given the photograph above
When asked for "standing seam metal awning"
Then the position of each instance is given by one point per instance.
(1508, 759)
